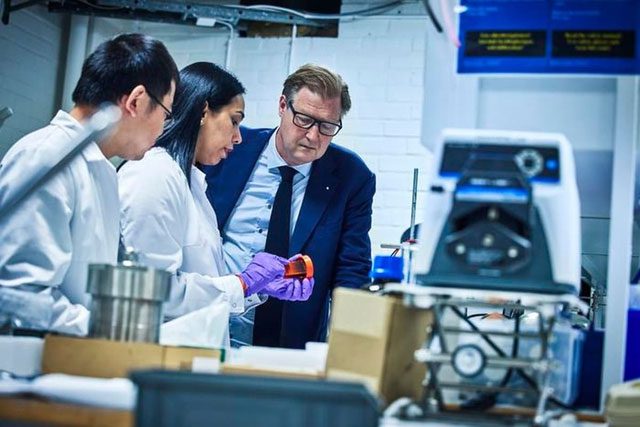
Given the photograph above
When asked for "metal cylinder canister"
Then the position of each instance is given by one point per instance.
(127, 301)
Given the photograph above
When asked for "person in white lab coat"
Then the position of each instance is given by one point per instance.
(165, 214)
(72, 220)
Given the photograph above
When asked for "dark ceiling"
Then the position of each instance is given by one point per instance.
(189, 11)
(315, 6)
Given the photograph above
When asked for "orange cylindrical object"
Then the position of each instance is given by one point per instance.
(300, 268)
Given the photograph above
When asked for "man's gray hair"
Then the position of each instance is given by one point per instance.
(318, 80)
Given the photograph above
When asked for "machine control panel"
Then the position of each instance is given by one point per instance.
(539, 163)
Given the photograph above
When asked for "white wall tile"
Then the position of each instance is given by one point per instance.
(402, 128)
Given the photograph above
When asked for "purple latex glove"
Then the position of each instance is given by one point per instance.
(263, 269)
(290, 289)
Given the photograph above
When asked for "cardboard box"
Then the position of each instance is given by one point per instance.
(372, 339)
(108, 359)
(306, 363)
(181, 358)
(236, 369)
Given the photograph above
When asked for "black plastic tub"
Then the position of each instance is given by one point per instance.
(171, 398)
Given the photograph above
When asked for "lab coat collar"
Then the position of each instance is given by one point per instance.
(73, 128)
(274, 160)
(67, 123)
(198, 177)
(93, 153)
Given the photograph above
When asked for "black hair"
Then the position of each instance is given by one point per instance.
(122, 63)
(200, 82)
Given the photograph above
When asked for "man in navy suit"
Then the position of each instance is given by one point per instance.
(330, 210)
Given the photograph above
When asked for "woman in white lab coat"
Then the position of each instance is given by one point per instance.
(165, 213)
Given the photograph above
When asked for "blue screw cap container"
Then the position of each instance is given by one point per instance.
(387, 268)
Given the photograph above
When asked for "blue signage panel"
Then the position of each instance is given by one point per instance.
(550, 36)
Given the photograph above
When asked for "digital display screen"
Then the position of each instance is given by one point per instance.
(593, 44)
(550, 36)
(505, 43)
(538, 163)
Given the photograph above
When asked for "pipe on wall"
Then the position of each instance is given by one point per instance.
(292, 45)
(228, 51)
(76, 53)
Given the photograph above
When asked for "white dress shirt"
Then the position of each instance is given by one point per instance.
(248, 225)
(70, 222)
(173, 227)
(246, 230)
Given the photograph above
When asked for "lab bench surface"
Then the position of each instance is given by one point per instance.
(41, 412)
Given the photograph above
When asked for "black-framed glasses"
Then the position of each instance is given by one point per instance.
(306, 122)
(168, 115)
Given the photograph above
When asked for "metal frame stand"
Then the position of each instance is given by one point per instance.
(452, 300)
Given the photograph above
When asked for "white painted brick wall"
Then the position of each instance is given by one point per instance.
(31, 69)
(387, 90)
(382, 60)
(187, 44)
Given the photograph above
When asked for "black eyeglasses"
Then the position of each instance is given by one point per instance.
(168, 115)
(306, 122)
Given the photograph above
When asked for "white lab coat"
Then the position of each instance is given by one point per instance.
(70, 222)
(175, 228)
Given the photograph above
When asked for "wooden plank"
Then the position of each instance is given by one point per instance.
(35, 410)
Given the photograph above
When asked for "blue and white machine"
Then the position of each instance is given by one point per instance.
(502, 213)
